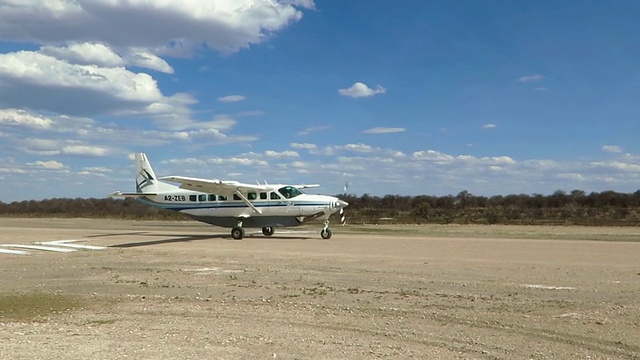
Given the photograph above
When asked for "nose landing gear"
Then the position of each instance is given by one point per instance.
(325, 233)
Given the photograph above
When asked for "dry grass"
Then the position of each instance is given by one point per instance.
(35, 306)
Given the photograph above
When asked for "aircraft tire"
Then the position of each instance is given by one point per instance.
(237, 233)
(268, 231)
(325, 234)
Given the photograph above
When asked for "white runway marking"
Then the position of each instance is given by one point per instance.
(68, 243)
(38, 247)
(61, 246)
(14, 252)
(545, 287)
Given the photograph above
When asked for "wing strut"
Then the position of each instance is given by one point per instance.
(246, 201)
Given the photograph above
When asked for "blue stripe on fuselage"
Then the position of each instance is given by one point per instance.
(180, 207)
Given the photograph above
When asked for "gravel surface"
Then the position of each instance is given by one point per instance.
(187, 290)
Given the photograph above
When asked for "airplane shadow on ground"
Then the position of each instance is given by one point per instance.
(191, 238)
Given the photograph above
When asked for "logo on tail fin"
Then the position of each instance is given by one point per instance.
(143, 180)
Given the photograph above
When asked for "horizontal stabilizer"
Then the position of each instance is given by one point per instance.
(130, 195)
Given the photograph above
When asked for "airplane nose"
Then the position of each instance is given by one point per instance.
(342, 204)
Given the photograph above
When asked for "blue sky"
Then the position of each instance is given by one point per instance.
(412, 97)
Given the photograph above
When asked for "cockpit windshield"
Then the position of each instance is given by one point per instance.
(289, 192)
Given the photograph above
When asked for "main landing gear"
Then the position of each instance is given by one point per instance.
(238, 231)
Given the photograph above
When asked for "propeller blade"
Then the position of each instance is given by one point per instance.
(343, 217)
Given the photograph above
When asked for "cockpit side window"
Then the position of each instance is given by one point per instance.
(289, 192)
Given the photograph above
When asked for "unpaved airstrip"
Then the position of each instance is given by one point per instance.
(107, 289)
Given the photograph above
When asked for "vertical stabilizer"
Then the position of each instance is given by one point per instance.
(146, 181)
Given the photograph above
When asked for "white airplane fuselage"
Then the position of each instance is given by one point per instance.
(216, 210)
(231, 203)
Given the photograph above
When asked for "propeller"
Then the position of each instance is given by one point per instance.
(343, 217)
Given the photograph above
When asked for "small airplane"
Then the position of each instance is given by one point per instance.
(233, 204)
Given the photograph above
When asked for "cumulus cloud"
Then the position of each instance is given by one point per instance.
(85, 54)
(102, 55)
(58, 86)
(22, 118)
(155, 25)
(383, 130)
(359, 89)
(32, 80)
(489, 126)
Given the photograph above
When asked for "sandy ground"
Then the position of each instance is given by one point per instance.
(187, 290)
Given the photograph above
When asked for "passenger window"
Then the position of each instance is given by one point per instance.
(202, 197)
(222, 198)
(193, 198)
(263, 196)
(212, 197)
(252, 196)
(274, 196)
(236, 197)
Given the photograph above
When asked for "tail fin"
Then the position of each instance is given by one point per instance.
(146, 181)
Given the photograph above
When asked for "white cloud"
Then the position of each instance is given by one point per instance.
(541, 89)
(102, 55)
(231, 98)
(383, 130)
(283, 154)
(97, 169)
(617, 165)
(362, 148)
(21, 118)
(531, 78)
(38, 81)
(43, 70)
(612, 149)
(155, 25)
(306, 146)
(85, 54)
(359, 89)
(434, 156)
(51, 164)
(489, 126)
(85, 150)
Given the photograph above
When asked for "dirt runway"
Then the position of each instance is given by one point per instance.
(183, 290)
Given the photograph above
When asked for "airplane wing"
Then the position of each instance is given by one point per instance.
(306, 186)
(212, 185)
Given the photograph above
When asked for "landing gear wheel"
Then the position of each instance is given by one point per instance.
(325, 234)
(237, 233)
(268, 230)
